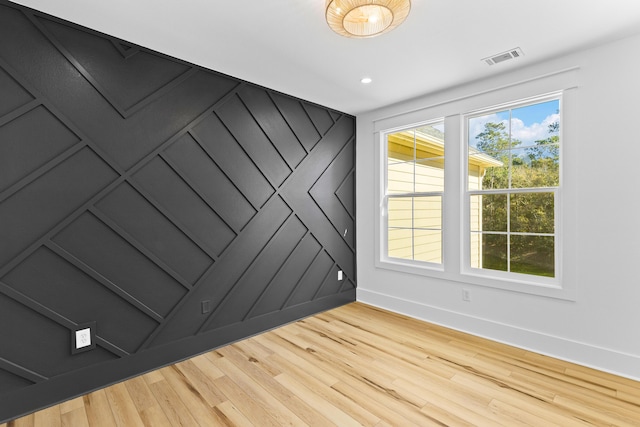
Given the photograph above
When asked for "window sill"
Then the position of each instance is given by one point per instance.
(512, 282)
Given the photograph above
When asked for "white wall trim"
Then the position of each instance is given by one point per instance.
(603, 359)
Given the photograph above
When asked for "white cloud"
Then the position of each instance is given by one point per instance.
(476, 125)
(526, 134)
(534, 132)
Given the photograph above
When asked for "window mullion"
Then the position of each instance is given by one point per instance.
(413, 203)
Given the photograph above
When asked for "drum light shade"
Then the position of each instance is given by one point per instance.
(366, 18)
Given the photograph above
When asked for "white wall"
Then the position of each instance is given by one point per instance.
(601, 326)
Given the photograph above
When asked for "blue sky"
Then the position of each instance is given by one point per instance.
(529, 123)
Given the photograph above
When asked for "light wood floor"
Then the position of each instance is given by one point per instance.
(358, 365)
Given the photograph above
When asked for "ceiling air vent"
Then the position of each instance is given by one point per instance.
(504, 56)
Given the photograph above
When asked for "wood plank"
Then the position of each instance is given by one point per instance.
(195, 403)
(173, 407)
(201, 382)
(49, 417)
(75, 418)
(327, 393)
(98, 409)
(122, 406)
(253, 411)
(71, 405)
(26, 421)
(263, 372)
(232, 416)
(327, 410)
(258, 394)
(358, 365)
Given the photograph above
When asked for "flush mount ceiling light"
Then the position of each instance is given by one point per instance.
(366, 18)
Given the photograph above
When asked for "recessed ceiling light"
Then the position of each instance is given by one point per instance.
(366, 80)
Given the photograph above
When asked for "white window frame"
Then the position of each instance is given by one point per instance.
(529, 279)
(385, 204)
(454, 226)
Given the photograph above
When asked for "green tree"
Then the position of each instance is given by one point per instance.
(536, 167)
(494, 140)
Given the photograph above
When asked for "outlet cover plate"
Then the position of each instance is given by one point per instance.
(83, 337)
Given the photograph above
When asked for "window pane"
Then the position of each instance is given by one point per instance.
(476, 250)
(475, 214)
(415, 164)
(480, 164)
(509, 150)
(400, 177)
(535, 167)
(495, 176)
(400, 244)
(400, 212)
(532, 255)
(489, 133)
(415, 160)
(401, 145)
(428, 246)
(537, 122)
(494, 252)
(434, 131)
(429, 175)
(427, 212)
(494, 212)
(532, 213)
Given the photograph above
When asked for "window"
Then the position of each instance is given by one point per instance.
(512, 187)
(495, 210)
(413, 193)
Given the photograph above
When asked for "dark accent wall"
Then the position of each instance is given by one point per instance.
(135, 190)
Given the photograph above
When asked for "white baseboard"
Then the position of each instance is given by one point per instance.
(603, 359)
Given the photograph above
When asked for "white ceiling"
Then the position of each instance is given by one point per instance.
(286, 45)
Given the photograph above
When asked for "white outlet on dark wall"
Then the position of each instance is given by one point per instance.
(340, 275)
(83, 338)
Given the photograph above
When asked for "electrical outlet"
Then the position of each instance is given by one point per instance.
(206, 306)
(83, 338)
(466, 295)
(340, 275)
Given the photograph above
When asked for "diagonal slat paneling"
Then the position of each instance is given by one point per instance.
(307, 288)
(127, 208)
(276, 294)
(29, 141)
(9, 381)
(216, 140)
(175, 195)
(50, 356)
(227, 271)
(321, 117)
(296, 193)
(255, 280)
(324, 193)
(346, 196)
(134, 187)
(298, 119)
(120, 263)
(273, 124)
(78, 297)
(194, 164)
(30, 213)
(14, 95)
(128, 82)
(250, 136)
